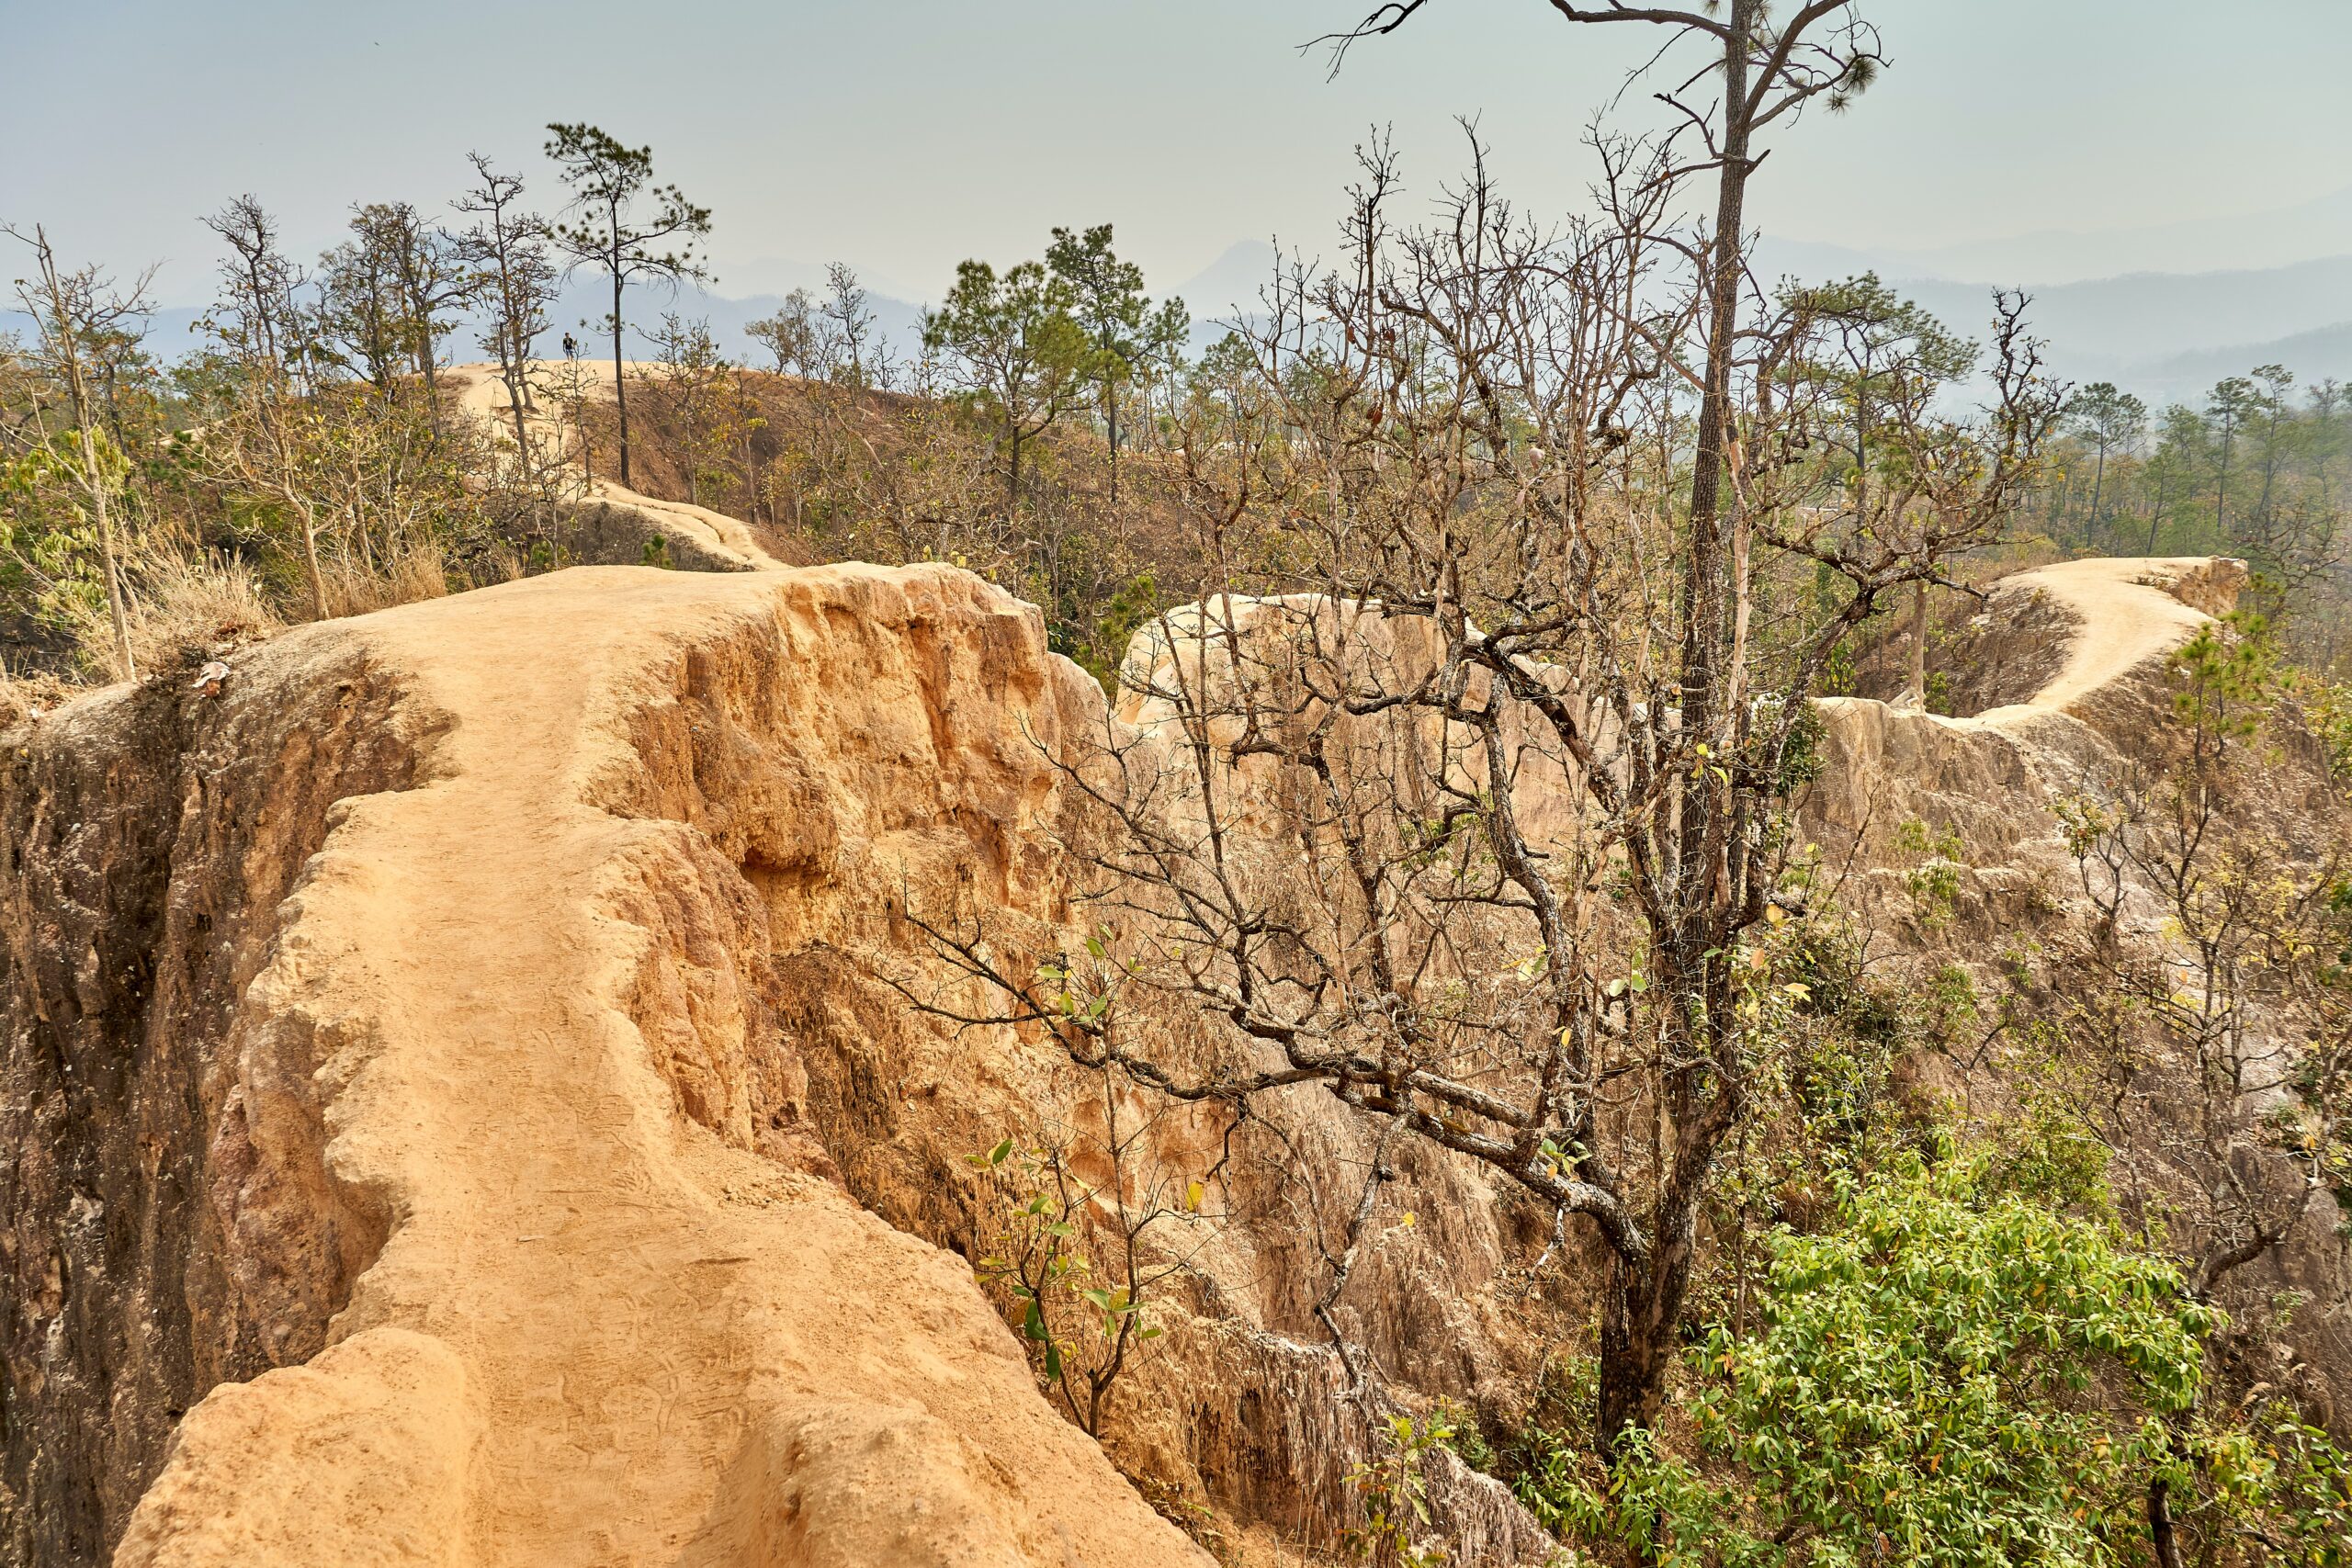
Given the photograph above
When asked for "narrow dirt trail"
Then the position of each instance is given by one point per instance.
(2127, 610)
(598, 1334)
(2077, 643)
(482, 396)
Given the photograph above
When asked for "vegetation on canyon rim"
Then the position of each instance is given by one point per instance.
(1646, 507)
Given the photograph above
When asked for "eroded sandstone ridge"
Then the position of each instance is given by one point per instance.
(605, 522)
(2060, 690)
(462, 1104)
(466, 1077)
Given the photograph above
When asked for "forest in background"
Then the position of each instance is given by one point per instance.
(842, 442)
(1597, 445)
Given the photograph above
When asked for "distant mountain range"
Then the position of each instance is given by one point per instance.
(2165, 335)
(580, 309)
(2277, 236)
(582, 306)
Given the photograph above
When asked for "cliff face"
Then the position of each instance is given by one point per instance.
(478, 1082)
(169, 1221)
(2062, 692)
(467, 1099)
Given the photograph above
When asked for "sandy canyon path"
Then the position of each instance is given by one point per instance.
(483, 398)
(2127, 610)
(597, 1333)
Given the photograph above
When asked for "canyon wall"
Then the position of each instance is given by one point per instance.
(478, 1091)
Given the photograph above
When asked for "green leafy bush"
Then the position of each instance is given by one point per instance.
(1956, 1375)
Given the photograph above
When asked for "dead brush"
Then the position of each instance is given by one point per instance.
(176, 598)
(416, 569)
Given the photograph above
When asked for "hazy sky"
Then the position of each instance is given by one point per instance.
(904, 134)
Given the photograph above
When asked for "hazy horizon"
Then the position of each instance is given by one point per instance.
(903, 139)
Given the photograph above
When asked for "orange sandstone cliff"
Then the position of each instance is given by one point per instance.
(462, 1102)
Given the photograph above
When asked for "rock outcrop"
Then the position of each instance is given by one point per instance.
(467, 1099)
(415, 1000)
(602, 522)
(2061, 691)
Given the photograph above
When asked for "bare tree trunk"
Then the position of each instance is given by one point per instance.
(1644, 1305)
(751, 497)
(515, 371)
(310, 522)
(66, 324)
(1703, 611)
(115, 609)
(1918, 684)
(517, 378)
(2269, 463)
(311, 566)
(1632, 1370)
(2098, 488)
(1641, 1319)
(620, 381)
(2161, 1538)
(2221, 493)
(95, 485)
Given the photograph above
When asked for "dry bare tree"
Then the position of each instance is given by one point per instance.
(386, 294)
(1089, 1226)
(361, 312)
(259, 320)
(699, 387)
(1481, 829)
(2243, 976)
(72, 312)
(2211, 1006)
(850, 322)
(797, 335)
(257, 317)
(507, 248)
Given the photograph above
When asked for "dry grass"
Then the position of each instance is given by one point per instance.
(355, 588)
(178, 601)
(188, 604)
(29, 696)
